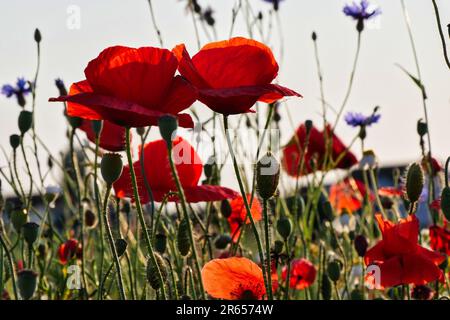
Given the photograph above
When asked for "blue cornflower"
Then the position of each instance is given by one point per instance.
(21, 89)
(361, 11)
(356, 119)
(61, 87)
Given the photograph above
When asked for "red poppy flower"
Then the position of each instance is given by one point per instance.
(292, 154)
(400, 259)
(348, 195)
(233, 278)
(132, 88)
(238, 214)
(440, 239)
(232, 75)
(68, 250)
(390, 192)
(158, 173)
(303, 274)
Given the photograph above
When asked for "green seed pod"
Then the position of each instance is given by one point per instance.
(152, 271)
(414, 182)
(160, 242)
(90, 219)
(278, 246)
(30, 232)
(222, 241)
(326, 287)
(37, 36)
(225, 208)
(18, 219)
(308, 125)
(334, 270)
(267, 176)
(14, 141)
(121, 246)
(208, 169)
(361, 245)
(422, 128)
(168, 126)
(314, 36)
(140, 131)
(183, 242)
(27, 283)
(97, 127)
(445, 202)
(284, 227)
(356, 294)
(25, 121)
(111, 167)
(75, 122)
(327, 210)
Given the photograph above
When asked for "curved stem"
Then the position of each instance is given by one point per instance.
(155, 25)
(441, 33)
(11, 265)
(268, 262)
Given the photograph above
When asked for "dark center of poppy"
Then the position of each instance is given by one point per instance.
(248, 295)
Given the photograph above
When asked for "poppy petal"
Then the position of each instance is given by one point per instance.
(208, 193)
(187, 68)
(181, 95)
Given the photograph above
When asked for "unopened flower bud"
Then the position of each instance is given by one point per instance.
(414, 182)
(121, 246)
(90, 218)
(222, 241)
(18, 219)
(361, 245)
(278, 246)
(30, 232)
(267, 176)
(168, 126)
(334, 270)
(183, 240)
(14, 141)
(422, 128)
(27, 283)
(326, 287)
(160, 242)
(284, 227)
(25, 121)
(327, 210)
(37, 35)
(314, 36)
(152, 271)
(111, 167)
(225, 208)
(97, 127)
(308, 125)
(75, 122)
(140, 131)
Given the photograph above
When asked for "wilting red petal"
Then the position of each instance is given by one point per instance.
(233, 279)
(239, 214)
(303, 274)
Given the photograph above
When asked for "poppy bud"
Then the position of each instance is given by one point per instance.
(27, 282)
(284, 227)
(30, 232)
(160, 242)
(14, 141)
(140, 131)
(356, 294)
(267, 176)
(308, 125)
(25, 121)
(445, 202)
(414, 182)
(152, 271)
(361, 245)
(225, 208)
(97, 127)
(121, 246)
(222, 241)
(75, 122)
(183, 242)
(37, 35)
(90, 219)
(278, 246)
(18, 219)
(327, 210)
(422, 128)
(334, 270)
(50, 162)
(326, 287)
(111, 167)
(167, 127)
(42, 250)
(314, 36)
(208, 169)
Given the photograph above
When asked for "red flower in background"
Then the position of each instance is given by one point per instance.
(232, 75)
(400, 259)
(390, 192)
(303, 274)
(68, 250)
(239, 214)
(233, 279)
(132, 88)
(292, 152)
(157, 171)
(440, 239)
(348, 195)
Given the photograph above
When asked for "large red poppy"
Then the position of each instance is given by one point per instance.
(233, 278)
(292, 152)
(238, 216)
(132, 87)
(348, 195)
(303, 274)
(159, 176)
(232, 75)
(400, 258)
(440, 239)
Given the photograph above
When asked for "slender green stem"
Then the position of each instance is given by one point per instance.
(268, 262)
(155, 25)
(141, 215)
(11, 265)
(441, 33)
(288, 275)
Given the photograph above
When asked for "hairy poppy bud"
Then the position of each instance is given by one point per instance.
(225, 208)
(140, 131)
(30, 232)
(414, 182)
(168, 126)
(14, 141)
(27, 283)
(18, 219)
(267, 176)
(284, 227)
(97, 127)
(422, 128)
(183, 242)
(121, 246)
(160, 242)
(90, 219)
(25, 121)
(208, 169)
(326, 287)
(445, 202)
(308, 125)
(278, 246)
(152, 271)
(37, 35)
(222, 241)
(314, 36)
(111, 167)
(334, 270)
(361, 245)
(75, 122)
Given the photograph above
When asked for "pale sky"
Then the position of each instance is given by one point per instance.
(65, 53)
